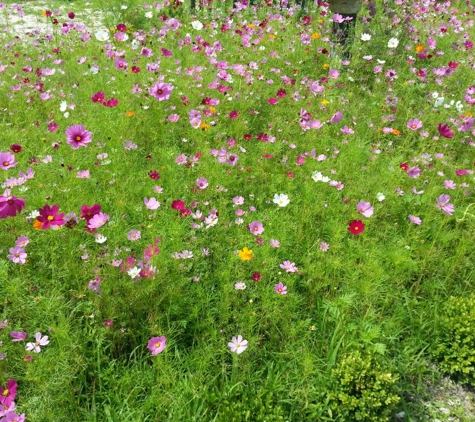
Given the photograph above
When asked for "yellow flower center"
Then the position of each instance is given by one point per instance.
(157, 345)
(50, 218)
(78, 138)
(6, 393)
(5, 163)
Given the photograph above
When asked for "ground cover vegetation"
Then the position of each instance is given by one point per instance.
(207, 214)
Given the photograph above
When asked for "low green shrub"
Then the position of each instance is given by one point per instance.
(362, 389)
(454, 348)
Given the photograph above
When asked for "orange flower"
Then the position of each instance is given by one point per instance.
(419, 48)
(271, 36)
(396, 132)
(204, 126)
(130, 113)
(315, 36)
(38, 225)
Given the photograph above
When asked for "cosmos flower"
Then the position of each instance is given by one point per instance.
(237, 345)
(157, 345)
(77, 136)
(10, 206)
(7, 160)
(443, 204)
(281, 200)
(356, 226)
(49, 217)
(245, 254)
(256, 227)
(40, 341)
(280, 289)
(365, 209)
(161, 91)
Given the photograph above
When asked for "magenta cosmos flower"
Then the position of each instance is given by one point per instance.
(18, 335)
(10, 206)
(237, 344)
(49, 217)
(8, 394)
(256, 227)
(445, 131)
(7, 160)
(161, 91)
(77, 136)
(365, 209)
(157, 344)
(443, 204)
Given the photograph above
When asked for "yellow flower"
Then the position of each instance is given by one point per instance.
(325, 102)
(396, 132)
(251, 25)
(245, 254)
(204, 126)
(326, 66)
(315, 36)
(271, 36)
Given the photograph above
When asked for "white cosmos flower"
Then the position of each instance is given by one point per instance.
(281, 200)
(149, 15)
(134, 272)
(393, 43)
(197, 25)
(102, 35)
(63, 106)
(100, 238)
(380, 197)
(365, 37)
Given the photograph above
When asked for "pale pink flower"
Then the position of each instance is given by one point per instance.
(415, 220)
(365, 209)
(443, 204)
(40, 341)
(237, 344)
(151, 204)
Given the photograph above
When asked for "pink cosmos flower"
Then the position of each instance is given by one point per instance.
(202, 183)
(49, 217)
(280, 289)
(414, 124)
(178, 205)
(8, 394)
(151, 204)
(324, 246)
(274, 243)
(365, 209)
(256, 227)
(161, 91)
(134, 235)
(237, 344)
(11, 416)
(98, 97)
(415, 220)
(445, 131)
(449, 184)
(18, 335)
(7, 160)
(40, 341)
(17, 255)
(83, 174)
(289, 266)
(414, 172)
(77, 136)
(443, 204)
(157, 345)
(10, 206)
(98, 220)
(22, 241)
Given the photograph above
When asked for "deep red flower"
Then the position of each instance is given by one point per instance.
(135, 69)
(71, 15)
(154, 174)
(247, 137)
(15, 148)
(111, 103)
(185, 212)
(178, 205)
(356, 226)
(88, 212)
(256, 276)
(404, 166)
(121, 27)
(453, 65)
(233, 115)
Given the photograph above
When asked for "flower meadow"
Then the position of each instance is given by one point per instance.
(208, 214)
